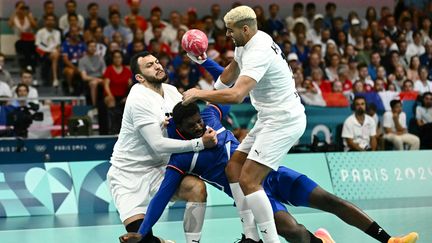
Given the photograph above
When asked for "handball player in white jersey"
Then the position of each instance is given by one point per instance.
(259, 69)
(142, 150)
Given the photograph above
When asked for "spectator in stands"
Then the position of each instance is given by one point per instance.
(92, 67)
(297, 14)
(311, 12)
(169, 33)
(183, 81)
(48, 9)
(275, 25)
(400, 77)
(424, 120)
(73, 22)
(402, 47)
(426, 58)
(423, 85)
(134, 15)
(336, 97)
(395, 128)
(364, 77)
(343, 78)
(318, 80)
(364, 54)
(332, 67)
(261, 18)
(93, 14)
(385, 95)
(48, 40)
(293, 61)
(117, 81)
(116, 26)
(371, 110)
(27, 79)
(375, 62)
(413, 71)
(407, 28)
(72, 50)
(359, 129)
(310, 94)
(23, 23)
(353, 73)
(330, 10)
(416, 48)
(137, 46)
(207, 81)
(313, 63)
(71, 6)
(354, 31)
(155, 22)
(4, 73)
(408, 92)
(426, 27)
(5, 90)
(313, 35)
(390, 28)
(215, 11)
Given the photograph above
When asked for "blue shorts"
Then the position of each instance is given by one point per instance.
(286, 186)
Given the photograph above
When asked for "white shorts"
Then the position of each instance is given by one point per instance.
(267, 144)
(133, 191)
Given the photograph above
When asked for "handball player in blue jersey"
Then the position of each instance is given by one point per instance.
(283, 186)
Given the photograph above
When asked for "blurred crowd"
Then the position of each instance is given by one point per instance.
(381, 55)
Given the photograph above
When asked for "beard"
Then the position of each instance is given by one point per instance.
(154, 80)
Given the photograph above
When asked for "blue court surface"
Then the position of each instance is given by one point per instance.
(221, 226)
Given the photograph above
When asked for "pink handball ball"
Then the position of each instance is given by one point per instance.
(195, 42)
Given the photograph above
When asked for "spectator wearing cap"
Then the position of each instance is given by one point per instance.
(354, 31)
(134, 15)
(395, 128)
(293, 61)
(314, 34)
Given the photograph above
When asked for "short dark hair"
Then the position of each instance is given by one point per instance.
(359, 97)
(330, 5)
(47, 2)
(181, 112)
(70, 1)
(112, 13)
(24, 71)
(46, 16)
(21, 85)
(310, 6)
(393, 103)
(91, 5)
(72, 15)
(298, 5)
(134, 62)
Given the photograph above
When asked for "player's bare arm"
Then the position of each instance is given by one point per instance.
(234, 95)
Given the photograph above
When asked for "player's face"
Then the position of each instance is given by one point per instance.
(151, 69)
(236, 34)
(192, 127)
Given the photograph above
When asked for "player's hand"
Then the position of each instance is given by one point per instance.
(210, 138)
(165, 123)
(200, 59)
(190, 95)
(130, 238)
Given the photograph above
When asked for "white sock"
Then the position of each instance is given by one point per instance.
(193, 221)
(247, 219)
(262, 210)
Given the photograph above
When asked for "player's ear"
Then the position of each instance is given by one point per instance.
(139, 78)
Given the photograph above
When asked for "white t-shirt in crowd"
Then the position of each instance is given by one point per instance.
(421, 88)
(424, 114)
(143, 106)
(389, 123)
(5, 89)
(274, 96)
(48, 41)
(360, 133)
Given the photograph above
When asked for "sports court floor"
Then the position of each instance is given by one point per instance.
(221, 226)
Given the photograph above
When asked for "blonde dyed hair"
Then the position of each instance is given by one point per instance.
(240, 14)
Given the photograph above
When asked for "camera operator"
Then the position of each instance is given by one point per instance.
(22, 117)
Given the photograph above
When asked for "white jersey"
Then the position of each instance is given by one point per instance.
(143, 107)
(274, 97)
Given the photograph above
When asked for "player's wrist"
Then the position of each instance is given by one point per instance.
(220, 85)
(197, 144)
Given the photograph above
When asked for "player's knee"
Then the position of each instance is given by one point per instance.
(248, 185)
(193, 189)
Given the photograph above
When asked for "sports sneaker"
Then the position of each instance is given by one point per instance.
(409, 238)
(165, 241)
(324, 235)
(244, 240)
